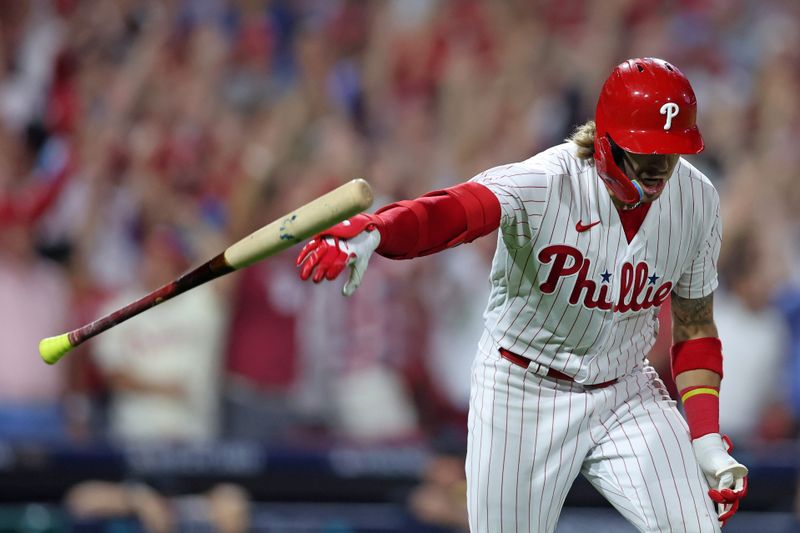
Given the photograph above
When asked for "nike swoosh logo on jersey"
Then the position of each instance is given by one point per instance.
(580, 227)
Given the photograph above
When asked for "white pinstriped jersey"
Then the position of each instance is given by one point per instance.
(586, 302)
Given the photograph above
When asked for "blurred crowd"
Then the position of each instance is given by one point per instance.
(140, 137)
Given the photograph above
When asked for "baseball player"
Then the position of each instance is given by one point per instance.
(595, 234)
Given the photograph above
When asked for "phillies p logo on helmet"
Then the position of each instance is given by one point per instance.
(670, 109)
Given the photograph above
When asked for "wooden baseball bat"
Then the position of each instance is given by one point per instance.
(306, 221)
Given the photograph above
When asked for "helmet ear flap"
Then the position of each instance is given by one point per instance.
(608, 158)
(617, 153)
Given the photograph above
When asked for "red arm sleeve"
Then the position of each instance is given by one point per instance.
(439, 220)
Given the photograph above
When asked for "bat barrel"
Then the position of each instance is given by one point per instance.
(304, 222)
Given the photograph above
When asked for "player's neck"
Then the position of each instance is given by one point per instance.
(631, 217)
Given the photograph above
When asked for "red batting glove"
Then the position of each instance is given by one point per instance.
(325, 257)
(347, 243)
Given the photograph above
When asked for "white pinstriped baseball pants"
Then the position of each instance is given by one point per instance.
(530, 436)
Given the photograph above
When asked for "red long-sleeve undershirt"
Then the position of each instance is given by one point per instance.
(440, 219)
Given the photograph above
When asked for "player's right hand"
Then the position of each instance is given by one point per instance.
(727, 478)
(348, 244)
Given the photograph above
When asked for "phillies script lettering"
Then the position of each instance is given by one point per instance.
(637, 287)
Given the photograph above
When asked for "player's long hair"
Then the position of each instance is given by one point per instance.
(583, 136)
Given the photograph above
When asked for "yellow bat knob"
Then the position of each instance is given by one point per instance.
(53, 348)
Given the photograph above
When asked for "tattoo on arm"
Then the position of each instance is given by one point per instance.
(692, 318)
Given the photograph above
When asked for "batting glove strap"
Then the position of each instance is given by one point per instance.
(352, 227)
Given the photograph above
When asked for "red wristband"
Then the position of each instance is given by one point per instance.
(701, 406)
(696, 354)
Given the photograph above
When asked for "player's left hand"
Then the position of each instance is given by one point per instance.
(727, 478)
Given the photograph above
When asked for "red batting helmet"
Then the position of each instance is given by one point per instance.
(646, 106)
